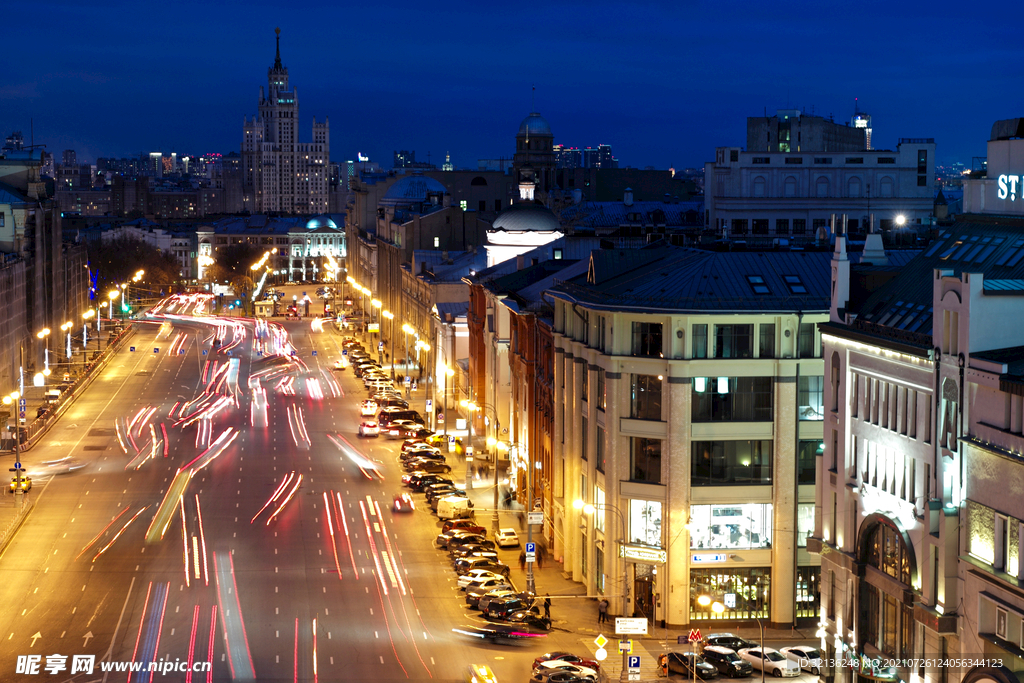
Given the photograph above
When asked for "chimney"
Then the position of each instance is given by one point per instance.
(627, 197)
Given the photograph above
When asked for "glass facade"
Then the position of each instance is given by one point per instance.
(645, 460)
(739, 526)
(804, 523)
(743, 591)
(645, 522)
(807, 460)
(811, 398)
(732, 399)
(731, 463)
(645, 397)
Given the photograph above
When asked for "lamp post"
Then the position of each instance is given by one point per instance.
(390, 317)
(66, 327)
(378, 305)
(44, 334)
(407, 328)
(589, 509)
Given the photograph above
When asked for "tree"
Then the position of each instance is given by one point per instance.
(243, 287)
(116, 261)
(234, 260)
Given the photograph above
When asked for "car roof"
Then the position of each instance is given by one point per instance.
(720, 649)
(505, 531)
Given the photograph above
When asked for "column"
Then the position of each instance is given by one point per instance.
(784, 500)
(675, 607)
(616, 468)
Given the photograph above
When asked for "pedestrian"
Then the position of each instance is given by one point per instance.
(522, 560)
(602, 611)
(547, 607)
(540, 557)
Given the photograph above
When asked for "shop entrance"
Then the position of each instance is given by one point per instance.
(643, 589)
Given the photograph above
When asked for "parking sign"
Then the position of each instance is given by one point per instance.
(633, 662)
(531, 547)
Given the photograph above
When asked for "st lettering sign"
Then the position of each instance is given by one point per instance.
(1009, 186)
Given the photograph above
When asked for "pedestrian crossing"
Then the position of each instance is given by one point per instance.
(611, 667)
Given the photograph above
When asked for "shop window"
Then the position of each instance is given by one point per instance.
(645, 397)
(647, 340)
(734, 341)
(810, 398)
(732, 399)
(744, 592)
(645, 460)
(807, 460)
(700, 341)
(741, 526)
(804, 523)
(731, 463)
(808, 591)
(645, 522)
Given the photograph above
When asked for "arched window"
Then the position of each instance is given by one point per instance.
(885, 187)
(821, 187)
(853, 187)
(886, 620)
(478, 181)
(790, 186)
(758, 189)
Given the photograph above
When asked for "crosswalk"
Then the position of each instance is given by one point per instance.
(611, 667)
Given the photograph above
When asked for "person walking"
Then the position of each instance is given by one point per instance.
(522, 560)
(547, 607)
(540, 557)
(602, 611)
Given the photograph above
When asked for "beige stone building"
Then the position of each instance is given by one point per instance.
(688, 417)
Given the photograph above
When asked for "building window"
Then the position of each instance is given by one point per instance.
(758, 189)
(741, 526)
(599, 446)
(645, 397)
(759, 226)
(645, 522)
(739, 226)
(732, 399)
(482, 205)
(585, 385)
(781, 226)
(2, 218)
(804, 523)
(808, 589)
(806, 348)
(810, 400)
(731, 463)
(645, 460)
(794, 160)
(790, 186)
(647, 340)
(887, 552)
(602, 390)
(799, 226)
(743, 592)
(584, 432)
(599, 505)
(700, 341)
(734, 341)
(766, 341)
(437, 242)
(807, 460)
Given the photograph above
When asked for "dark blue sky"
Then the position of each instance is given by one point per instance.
(664, 83)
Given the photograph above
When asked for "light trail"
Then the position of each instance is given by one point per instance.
(184, 538)
(273, 497)
(209, 647)
(103, 531)
(117, 535)
(163, 430)
(202, 538)
(142, 621)
(192, 644)
(164, 513)
(315, 676)
(330, 525)
(340, 514)
(239, 656)
(120, 439)
(295, 677)
(390, 551)
(284, 502)
(373, 548)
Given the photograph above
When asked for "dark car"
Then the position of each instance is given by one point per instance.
(445, 537)
(420, 480)
(557, 676)
(498, 609)
(473, 551)
(466, 565)
(416, 463)
(566, 657)
(466, 539)
(726, 661)
(431, 489)
(529, 619)
(733, 642)
(463, 524)
(501, 633)
(685, 663)
(475, 593)
(433, 467)
(497, 594)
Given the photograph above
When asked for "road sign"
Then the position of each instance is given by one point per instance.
(694, 636)
(440, 418)
(534, 517)
(181, 351)
(22, 402)
(314, 353)
(17, 465)
(408, 381)
(131, 349)
(451, 439)
(632, 675)
(633, 626)
(344, 352)
(633, 663)
(430, 406)
(600, 641)
(531, 547)
(156, 349)
(626, 646)
(380, 346)
(21, 414)
(601, 654)
(204, 352)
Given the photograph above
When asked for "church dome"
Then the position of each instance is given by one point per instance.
(321, 221)
(526, 217)
(413, 189)
(534, 124)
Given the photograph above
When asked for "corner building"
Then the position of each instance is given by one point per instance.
(688, 418)
(279, 173)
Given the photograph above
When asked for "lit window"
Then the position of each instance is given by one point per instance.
(437, 242)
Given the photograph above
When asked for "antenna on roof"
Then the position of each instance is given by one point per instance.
(533, 99)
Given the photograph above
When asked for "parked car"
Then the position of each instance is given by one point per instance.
(454, 506)
(770, 661)
(807, 657)
(529, 619)
(474, 552)
(566, 657)
(726, 661)
(474, 592)
(690, 664)
(557, 676)
(501, 607)
(464, 524)
(445, 537)
(474, 574)
(479, 578)
(431, 467)
(734, 643)
(369, 428)
(467, 539)
(467, 565)
(368, 408)
(497, 594)
(419, 480)
(506, 538)
(583, 672)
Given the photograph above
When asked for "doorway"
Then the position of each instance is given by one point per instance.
(643, 589)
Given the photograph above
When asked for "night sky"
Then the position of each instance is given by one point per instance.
(664, 83)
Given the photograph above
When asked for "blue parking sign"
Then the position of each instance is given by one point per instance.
(633, 662)
(531, 547)
(132, 349)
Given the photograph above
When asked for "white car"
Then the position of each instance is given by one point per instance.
(560, 665)
(474, 574)
(483, 581)
(506, 538)
(770, 661)
(807, 657)
(368, 408)
(369, 428)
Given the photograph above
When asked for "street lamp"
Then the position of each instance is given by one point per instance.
(66, 327)
(43, 334)
(390, 317)
(448, 372)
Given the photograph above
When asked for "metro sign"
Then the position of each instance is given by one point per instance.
(1008, 186)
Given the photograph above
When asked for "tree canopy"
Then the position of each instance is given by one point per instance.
(116, 261)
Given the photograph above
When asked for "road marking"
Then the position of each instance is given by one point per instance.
(382, 658)
(431, 660)
(277, 634)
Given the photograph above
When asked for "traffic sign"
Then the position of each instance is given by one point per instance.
(204, 352)
(314, 352)
(344, 352)
(535, 517)
(21, 414)
(633, 663)
(633, 626)
(451, 439)
(156, 349)
(626, 646)
(22, 402)
(694, 636)
(531, 547)
(131, 349)
(380, 346)
(440, 418)
(408, 381)
(17, 465)
(600, 641)
(430, 406)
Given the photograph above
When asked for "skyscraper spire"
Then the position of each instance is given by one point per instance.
(277, 59)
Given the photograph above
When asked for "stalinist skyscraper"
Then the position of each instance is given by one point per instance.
(281, 174)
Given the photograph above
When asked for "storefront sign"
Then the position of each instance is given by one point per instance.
(641, 554)
(1010, 186)
(705, 559)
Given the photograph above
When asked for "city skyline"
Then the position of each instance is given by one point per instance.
(662, 85)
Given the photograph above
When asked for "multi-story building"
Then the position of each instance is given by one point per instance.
(752, 194)
(590, 157)
(281, 174)
(791, 130)
(688, 408)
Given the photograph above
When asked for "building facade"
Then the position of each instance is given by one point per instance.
(688, 411)
(281, 174)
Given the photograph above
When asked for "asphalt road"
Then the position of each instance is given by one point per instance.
(281, 598)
